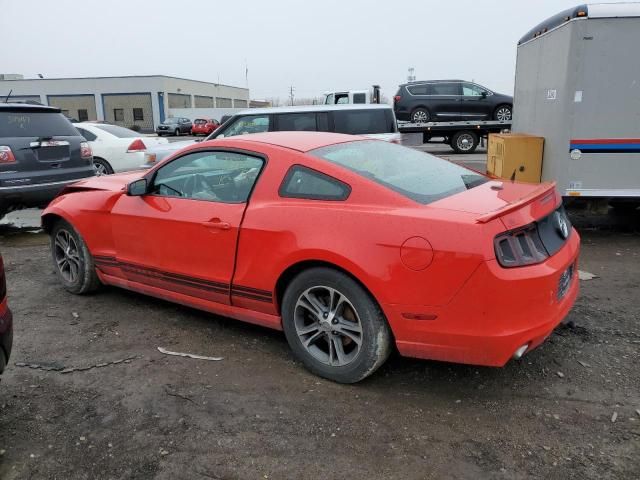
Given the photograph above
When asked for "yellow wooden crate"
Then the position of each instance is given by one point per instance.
(515, 153)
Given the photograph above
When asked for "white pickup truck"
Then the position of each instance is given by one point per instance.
(342, 97)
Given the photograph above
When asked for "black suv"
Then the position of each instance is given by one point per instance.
(450, 100)
(40, 153)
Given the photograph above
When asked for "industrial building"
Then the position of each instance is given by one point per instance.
(144, 101)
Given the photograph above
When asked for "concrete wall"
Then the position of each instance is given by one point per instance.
(157, 88)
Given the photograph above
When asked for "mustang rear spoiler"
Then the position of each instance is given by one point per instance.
(544, 192)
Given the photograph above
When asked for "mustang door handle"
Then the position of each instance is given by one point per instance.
(217, 224)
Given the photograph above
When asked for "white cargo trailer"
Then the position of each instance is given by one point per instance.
(578, 86)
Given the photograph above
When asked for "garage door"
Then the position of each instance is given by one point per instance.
(128, 110)
(77, 107)
(202, 101)
(179, 100)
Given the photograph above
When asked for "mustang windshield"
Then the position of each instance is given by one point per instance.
(419, 176)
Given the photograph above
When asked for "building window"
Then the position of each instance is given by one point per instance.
(83, 115)
(118, 114)
(138, 115)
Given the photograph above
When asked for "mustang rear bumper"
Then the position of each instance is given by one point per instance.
(497, 311)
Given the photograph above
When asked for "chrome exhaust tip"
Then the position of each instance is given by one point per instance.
(517, 355)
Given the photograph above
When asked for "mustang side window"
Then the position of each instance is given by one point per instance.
(226, 177)
(303, 182)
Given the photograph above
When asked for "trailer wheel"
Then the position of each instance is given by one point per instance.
(464, 142)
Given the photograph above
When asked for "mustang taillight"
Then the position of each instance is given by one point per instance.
(85, 151)
(137, 146)
(6, 155)
(520, 247)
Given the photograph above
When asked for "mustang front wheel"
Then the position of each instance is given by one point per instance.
(71, 259)
(334, 326)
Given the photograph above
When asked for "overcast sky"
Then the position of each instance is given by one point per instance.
(314, 45)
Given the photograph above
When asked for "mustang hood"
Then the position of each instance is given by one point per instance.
(113, 183)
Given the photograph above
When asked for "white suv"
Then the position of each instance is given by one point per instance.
(373, 120)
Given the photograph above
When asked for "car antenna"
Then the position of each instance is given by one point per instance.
(513, 175)
(6, 100)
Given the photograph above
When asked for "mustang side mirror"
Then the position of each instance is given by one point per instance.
(137, 188)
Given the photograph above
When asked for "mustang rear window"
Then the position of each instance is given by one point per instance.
(419, 176)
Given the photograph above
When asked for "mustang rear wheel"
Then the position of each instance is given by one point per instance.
(334, 326)
(71, 259)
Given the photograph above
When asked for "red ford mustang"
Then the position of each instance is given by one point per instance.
(347, 244)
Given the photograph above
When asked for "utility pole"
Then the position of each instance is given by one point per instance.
(412, 75)
(292, 90)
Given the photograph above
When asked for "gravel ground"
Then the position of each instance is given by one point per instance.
(88, 395)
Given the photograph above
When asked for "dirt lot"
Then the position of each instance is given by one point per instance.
(570, 409)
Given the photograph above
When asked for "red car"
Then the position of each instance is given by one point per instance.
(204, 126)
(349, 245)
(6, 322)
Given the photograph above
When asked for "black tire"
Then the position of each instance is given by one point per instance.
(101, 166)
(359, 310)
(176, 132)
(465, 141)
(420, 115)
(86, 279)
(503, 113)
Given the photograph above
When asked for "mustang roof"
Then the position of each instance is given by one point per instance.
(300, 141)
